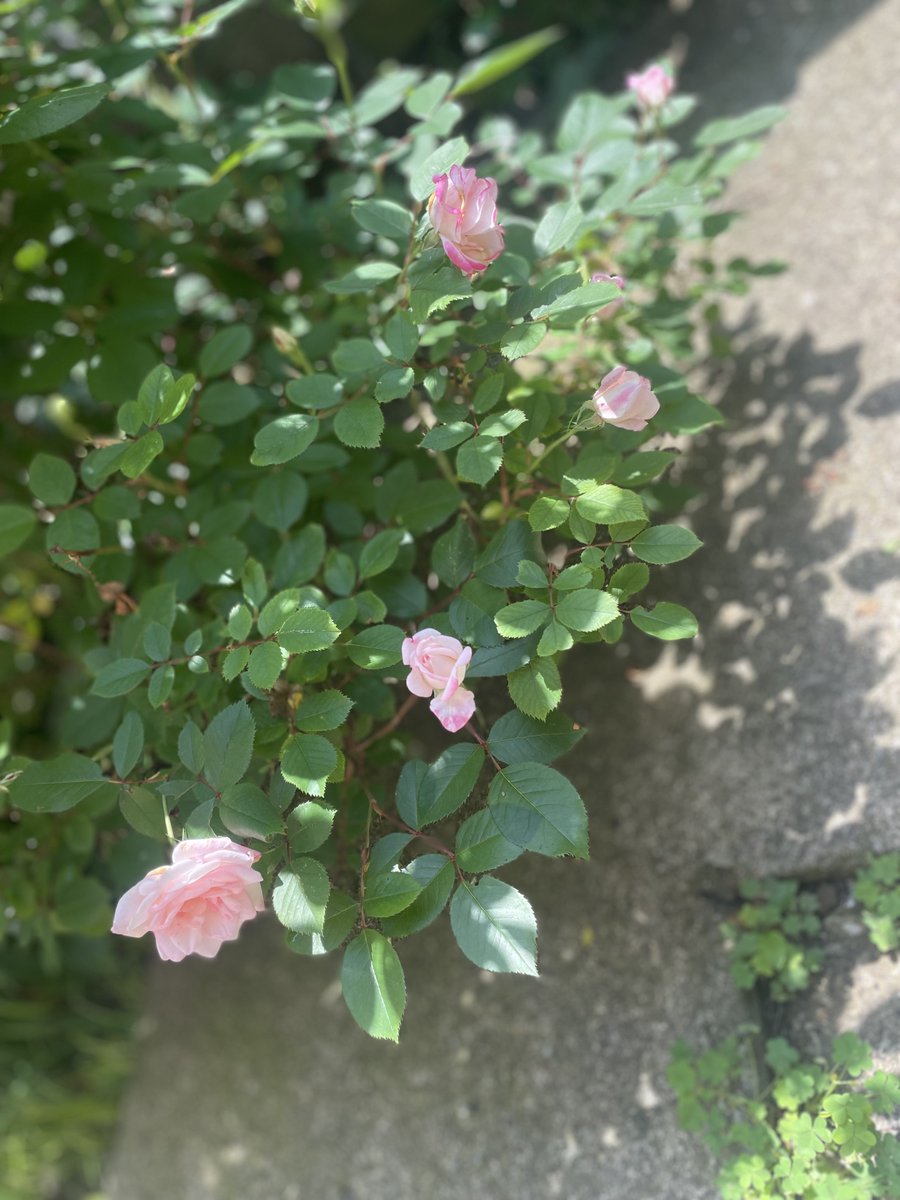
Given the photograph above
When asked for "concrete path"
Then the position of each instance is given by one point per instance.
(773, 745)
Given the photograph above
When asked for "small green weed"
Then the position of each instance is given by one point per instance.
(770, 937)
(877, 889)
(791, 1128)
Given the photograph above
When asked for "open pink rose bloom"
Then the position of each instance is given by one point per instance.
(651, 87)
(625, 399)
(197, 903)
(463, 211)
(437, 664)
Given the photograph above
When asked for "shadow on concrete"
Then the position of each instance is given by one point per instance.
(758, 749)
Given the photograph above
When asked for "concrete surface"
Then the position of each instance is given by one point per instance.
(773, 745)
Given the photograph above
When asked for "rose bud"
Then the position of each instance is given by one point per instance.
(652, 86)
(625, 399)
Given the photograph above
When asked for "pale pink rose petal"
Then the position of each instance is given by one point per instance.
(454, 711)
(198, 902)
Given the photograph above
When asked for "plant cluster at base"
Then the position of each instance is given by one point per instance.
(315, 431)
(814, 1130)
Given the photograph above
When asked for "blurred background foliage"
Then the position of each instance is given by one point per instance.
(68, 997)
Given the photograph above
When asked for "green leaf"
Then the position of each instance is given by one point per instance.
(434, 875)
(234, 662)
(394, 384)
(228, 746)
(227, 403)
(150, 398)
(373, 986)
(638, 469)
(383, 217)
(535, 689)
(364, 278)
(157, 641)
(537, 808)
(558, 227)
(315, 391)
(309, 628)
(401, 335)
(376, 647)
(57, 784)
(43, 115)
(608, 504)
(578, 303)
(301, 895)
(340, 917)
(504, 60)
(175, 398)
(554, 639)
(662, 198)
(140, 454)
(669, 622)
(191, 747)
(247, 811)
(587, 609)
(522, 339)
(480, 846)
(517, 738)
(306, 761)
(547, 513)
(264, 665)
(730, 129)
(16, 523)
(389, 892)
(51, 479)
(479, 459)
(144, 810)
(283, 439)
(453, 555)
(444, 787)
(665, 544)
(524, 617)
(360, 423)
(494, 926)
(322, 711)
(532, 575)
(379, 552)
(449, 154)
(629, 580)
(309, 826)
(498, 563)
(851, 1052)
(128, 744)
(224, 350)
(120, 677)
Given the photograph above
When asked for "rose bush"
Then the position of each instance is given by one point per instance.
(317, 419)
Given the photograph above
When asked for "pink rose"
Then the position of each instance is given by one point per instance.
(437, 666)
(197, 903)
(652, 87)
(614, 305)
(625, 399)
(463, 211)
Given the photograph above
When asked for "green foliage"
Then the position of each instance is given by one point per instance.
(877, 888)
(814, 1130)
(267, 430)
(772, 937)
